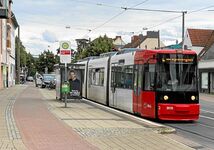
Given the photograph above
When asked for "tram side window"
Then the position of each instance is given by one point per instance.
(122, 77)
(96, 76)
(149, 77)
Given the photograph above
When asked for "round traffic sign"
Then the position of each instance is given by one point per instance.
(65, 45)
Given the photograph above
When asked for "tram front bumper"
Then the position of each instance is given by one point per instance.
(182, 112)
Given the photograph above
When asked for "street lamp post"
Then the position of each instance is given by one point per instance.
(46, 67)
(18, 58)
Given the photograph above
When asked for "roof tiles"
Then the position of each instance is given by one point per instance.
(199, 37)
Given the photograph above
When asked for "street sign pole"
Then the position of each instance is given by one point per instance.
(65, 58)
(66, 83)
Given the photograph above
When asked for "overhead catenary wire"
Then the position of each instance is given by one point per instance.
(115, 16)
(131, 8)
(176, 17)
(198, 10)
(97, 4)
(151, 10)
(165, 21)
(89, 30)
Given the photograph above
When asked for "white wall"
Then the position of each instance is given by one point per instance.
(187, 40)
(4, 39)
(205, 64)
(118, 41)
(151, 43)
(197, 49)
(188, 43)
(12, 70)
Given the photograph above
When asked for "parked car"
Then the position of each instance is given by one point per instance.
(52, 84)
(47, 79)
(30, 78)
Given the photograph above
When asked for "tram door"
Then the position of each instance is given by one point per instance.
(137, 98)
(113, 86)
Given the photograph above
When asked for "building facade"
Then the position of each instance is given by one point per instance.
(8, 26)
(196, 39)
(149, 41)
(118, 43)
(206, 66)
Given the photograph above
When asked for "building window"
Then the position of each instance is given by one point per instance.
(204, 80)
(96, 76)
(122, 77)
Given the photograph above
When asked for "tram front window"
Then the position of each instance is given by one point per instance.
(176, 74)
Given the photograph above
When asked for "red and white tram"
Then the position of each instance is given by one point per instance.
(159, 84)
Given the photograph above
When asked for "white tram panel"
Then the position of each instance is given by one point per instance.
(97, 80)
(121, 98)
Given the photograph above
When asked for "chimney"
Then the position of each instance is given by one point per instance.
(118, 37)
(135, 38)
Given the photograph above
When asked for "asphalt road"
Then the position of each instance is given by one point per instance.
(200, 131)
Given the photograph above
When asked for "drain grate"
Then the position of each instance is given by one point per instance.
(93, 119)
(107, 132)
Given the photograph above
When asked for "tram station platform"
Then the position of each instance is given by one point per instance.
(206, 97)
(31, 118)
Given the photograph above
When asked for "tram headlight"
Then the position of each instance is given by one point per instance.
(166, 97)
(193, 98)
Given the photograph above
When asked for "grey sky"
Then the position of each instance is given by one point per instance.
(43, 21)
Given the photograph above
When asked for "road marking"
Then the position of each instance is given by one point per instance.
(207, 111)
(206, 117)
(205, 125)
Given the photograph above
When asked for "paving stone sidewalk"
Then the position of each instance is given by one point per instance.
(10, 138)
(26, 122)
(106, 130)
(40, 129)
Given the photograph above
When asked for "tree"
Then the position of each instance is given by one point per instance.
(96, 47)
(23, 53)
(30, 65)
(27, 62)
(102, 45)
(46, 59)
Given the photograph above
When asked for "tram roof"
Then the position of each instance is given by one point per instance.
(170, 51)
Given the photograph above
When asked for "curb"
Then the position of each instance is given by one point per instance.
(156, 127)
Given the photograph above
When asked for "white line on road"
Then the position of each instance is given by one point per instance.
(207, 111)
(207, 126)
(206, 117)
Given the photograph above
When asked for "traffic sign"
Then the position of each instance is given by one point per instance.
(65, 52)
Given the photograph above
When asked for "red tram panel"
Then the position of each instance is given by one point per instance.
(180, 100)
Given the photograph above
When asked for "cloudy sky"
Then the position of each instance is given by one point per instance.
(43, 22)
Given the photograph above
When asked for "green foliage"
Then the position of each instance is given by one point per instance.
(23, 53)
(26, 59)
(46, 59)
(95, 48)
(30, 65)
